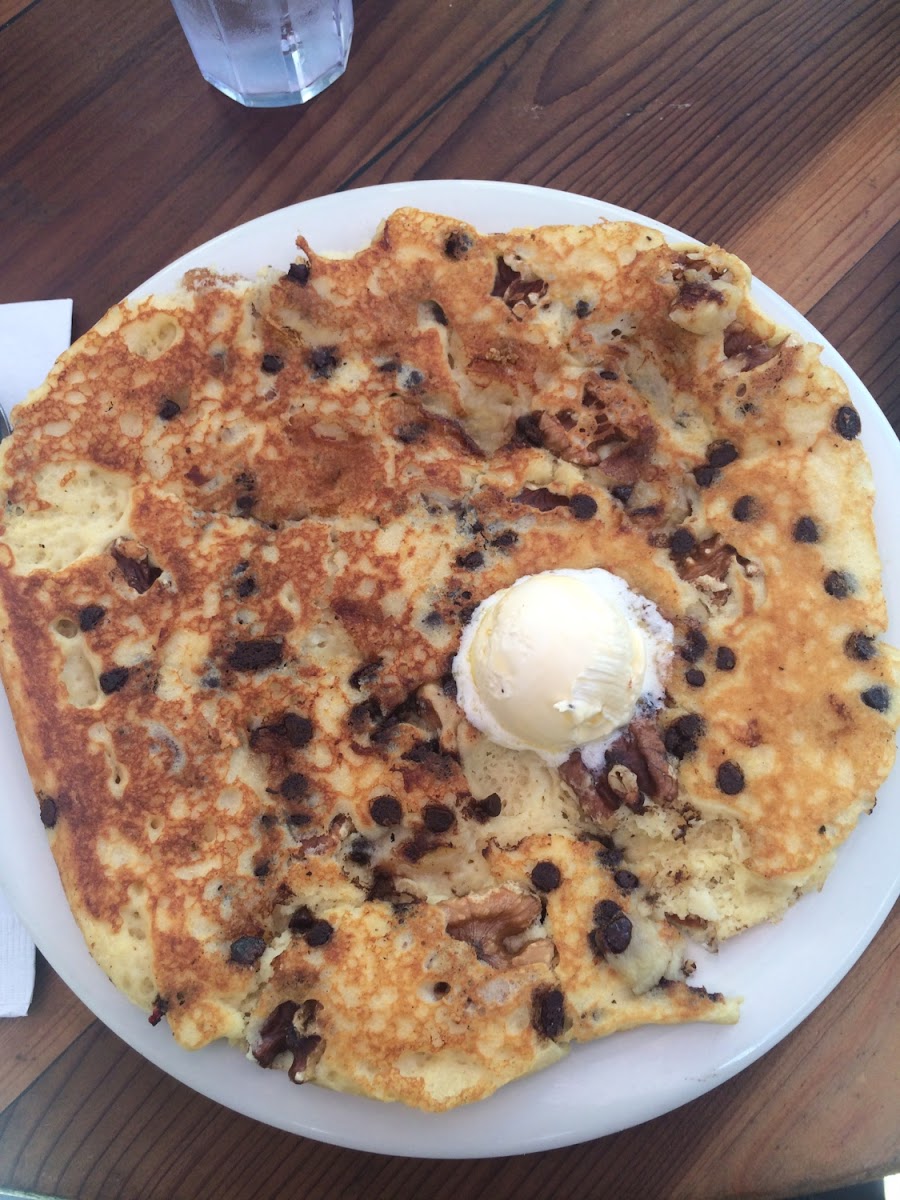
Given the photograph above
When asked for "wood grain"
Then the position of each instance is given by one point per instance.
(768, 126)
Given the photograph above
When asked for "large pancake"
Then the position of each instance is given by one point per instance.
(244, 527)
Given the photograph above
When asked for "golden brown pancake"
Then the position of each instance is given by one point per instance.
(244, 527)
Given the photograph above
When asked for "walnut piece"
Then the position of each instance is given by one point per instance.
(490, 920)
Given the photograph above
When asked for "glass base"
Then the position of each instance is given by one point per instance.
(279, 99)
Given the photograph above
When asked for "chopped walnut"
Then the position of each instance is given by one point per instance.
(491, 920)
(636, 767)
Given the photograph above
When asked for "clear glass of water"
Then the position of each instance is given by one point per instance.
(268, 53)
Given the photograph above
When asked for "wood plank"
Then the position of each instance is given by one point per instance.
(861, 315)
(28, 1045)
(776, 1129)
(833, 212)
(10, 10)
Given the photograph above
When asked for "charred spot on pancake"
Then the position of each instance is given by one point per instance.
(247, 950)
(49, 810)
(583, 507)
(412, 431)
(860, 647)
(272, 364)
(113, 680)
(133, 561)
(457, 245)
(682, 736)
(745, 509)
(366, 673)
(90, 617)
(805, 530)
(438, 817)
(546, 876)
(839, 584)
(729, 778)
(846, 422)
(386, 810)
(256, 654)
(548, 1011)
(725, 659)
(169, 409)
(878, 697)
(626, 881)
(322, 361)
(299, 273)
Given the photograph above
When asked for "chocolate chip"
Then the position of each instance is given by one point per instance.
(366, 713)
(846, 422)
(386, 810)
(112, 680)
(322, 361)
(245, 503)
(433, 619)
(299, 272)
(298, 818)
(694, 646)
(49, 811)
(861, 647)
(246, 586)
(583, 507)
(609, 375)
(261, 869)
(441, 988)
(528, 429)
(839, 585)
(414, 379)
(622, 492)
(272, 364)
(744, 509)
(169, 409)
(90, 617)
(610, 857)
(606, 911)
(457, 245)
(437, 312)
(583, 309)
(360, 851)
(246, 950)
(720, 454)
(294, 786)
(504, 540)
(485, 810)
(682, 542)
(302, 920)
(805, 530)
(319, 933)
(256, 654)
(139, 573)
(414, 431)
(366, 673)
(725, 659)
(548, 1011)
(626, 880)
(546, 876)
(878, 697)
(617, 935)
(705, 475)
(682, 735)
(471, 561)
(730, 778)
(438, 818)
(695, 677)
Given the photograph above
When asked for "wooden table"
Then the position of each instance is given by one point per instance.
(765, 126)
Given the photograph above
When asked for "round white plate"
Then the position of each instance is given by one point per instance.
(782, 971)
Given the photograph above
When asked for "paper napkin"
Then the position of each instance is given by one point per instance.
(32, 336)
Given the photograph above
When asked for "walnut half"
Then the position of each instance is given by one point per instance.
(493, 922)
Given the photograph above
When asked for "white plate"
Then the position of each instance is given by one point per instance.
(783, 971)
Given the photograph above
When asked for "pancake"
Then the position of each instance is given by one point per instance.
(244, 527)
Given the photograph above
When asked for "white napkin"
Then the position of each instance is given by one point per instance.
(32, 336)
